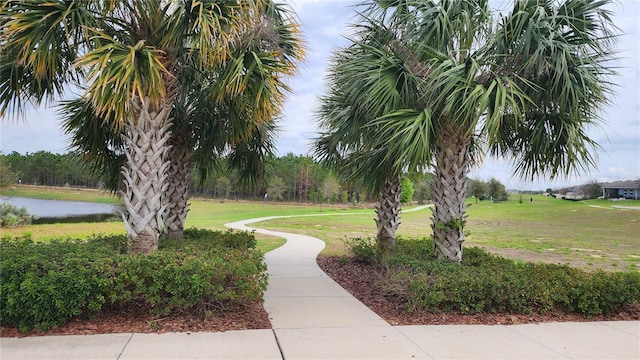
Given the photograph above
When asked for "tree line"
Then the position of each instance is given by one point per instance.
(289, 178)
(48, 169)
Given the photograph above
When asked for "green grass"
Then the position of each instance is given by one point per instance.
(59, 193)
(559, 231)
(588, 234)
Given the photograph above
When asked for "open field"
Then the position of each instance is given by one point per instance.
(588, 234)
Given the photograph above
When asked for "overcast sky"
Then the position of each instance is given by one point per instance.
(324, 24)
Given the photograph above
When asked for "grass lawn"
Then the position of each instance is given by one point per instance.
(588, 234)
(61, 193)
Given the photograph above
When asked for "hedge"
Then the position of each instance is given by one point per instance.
(490, 283)
(47, 284)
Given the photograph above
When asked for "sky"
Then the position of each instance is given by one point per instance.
(324, 24)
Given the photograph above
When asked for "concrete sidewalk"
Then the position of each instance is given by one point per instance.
(597, 340)
(314, 318)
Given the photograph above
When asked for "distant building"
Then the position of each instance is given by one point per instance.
(572, 195)
(621, 189)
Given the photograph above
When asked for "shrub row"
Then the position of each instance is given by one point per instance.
(46, 284)
(490, 283)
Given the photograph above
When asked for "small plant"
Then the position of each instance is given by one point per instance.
(364, 250)
(12, 216)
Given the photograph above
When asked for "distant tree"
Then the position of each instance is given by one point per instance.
(344, 196)
(406, 191)
(7, 177)
(421, 194)
(276, 188)
(549, 191)
(478, 189)
(496, 190)
(330, 188)
(223, 187)
(422, 186)
(303, 186)
(592, 190)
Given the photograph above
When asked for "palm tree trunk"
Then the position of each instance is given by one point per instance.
(449, 194)
(388, 210)
(145, 175)
(179, 185)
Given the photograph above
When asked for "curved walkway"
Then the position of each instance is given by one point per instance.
(312, 317)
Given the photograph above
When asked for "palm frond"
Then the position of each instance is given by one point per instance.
(96, 140)
(38, 45)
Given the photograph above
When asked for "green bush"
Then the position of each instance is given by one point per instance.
(603, 293)
(490, 283)
(46, 284)
(406, 191)
(229, 238)
(12, 216)
(364, 250)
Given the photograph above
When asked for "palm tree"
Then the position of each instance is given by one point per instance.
(524, 85)
(130, 55)
(213, 115)
(235, 106)
(363, 88)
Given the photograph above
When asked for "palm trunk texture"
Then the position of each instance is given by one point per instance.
(449, 194)
(145, 175)
(388, 210)
(180, 155)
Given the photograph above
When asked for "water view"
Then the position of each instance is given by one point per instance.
(57, 211)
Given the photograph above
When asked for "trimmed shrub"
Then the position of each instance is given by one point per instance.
(47, 284)
(490, 283)
(229, 238)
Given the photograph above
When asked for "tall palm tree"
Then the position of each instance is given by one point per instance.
(129, 54)
(363, 87)
(214, 113)
(524, 86)
(235, 104)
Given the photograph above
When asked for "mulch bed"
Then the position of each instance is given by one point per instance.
(252, 316)
(365, 283)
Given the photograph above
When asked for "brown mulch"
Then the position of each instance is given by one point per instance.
(252, 316)
(363, 281)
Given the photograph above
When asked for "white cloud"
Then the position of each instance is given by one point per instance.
(38, 130)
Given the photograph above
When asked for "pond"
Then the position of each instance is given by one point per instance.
(58, 211)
